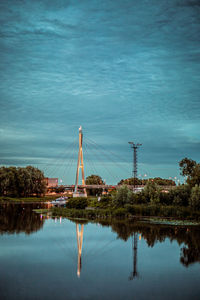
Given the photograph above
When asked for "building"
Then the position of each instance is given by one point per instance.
(51, 182)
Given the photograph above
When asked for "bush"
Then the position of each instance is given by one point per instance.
(120, 212)
(180, 195)
(106, 199)
(194, 200)
(78, 203)
(151, 192)
(122, 196)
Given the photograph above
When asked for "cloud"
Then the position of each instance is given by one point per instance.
(124, 70)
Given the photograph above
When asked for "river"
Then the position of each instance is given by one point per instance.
(45, 258)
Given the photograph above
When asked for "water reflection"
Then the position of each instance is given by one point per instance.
(17, 218)
(189, 236)
(127, 258)
(79, 236)
(152, 234)
(134, 243)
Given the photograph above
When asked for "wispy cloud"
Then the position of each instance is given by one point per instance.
(125, 70)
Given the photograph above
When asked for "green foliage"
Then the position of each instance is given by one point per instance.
(151, 192)
(157, 180)
(122, 196)
(130, 181)
(194, 200)
(21, 182)
(180, 195)
(165, 197)
(144, 210)
(60, 189)
(186, 166)
(194, 178)
(191, 169)
(162, 181)
(78, 203)
(106, 199)
(120, 212)
(94, 179)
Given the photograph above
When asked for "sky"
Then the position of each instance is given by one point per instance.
(125, 70)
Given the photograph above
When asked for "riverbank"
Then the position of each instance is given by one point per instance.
(134, 211)
(4, 199)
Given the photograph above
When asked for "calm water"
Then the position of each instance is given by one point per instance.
(41, 259)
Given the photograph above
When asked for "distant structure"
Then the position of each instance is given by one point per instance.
(80, 165)
(134, 147)
(51, 182)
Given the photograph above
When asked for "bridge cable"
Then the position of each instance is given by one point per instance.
(107, 152)
(94, 148)
(100, 160)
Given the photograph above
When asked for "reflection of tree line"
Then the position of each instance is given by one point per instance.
(190, 252)
(151, 233)
(16, 218)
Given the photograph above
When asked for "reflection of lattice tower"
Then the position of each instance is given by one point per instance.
(79, 235)
(134, 273)
(80, 164)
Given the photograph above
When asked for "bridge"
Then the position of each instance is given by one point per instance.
(120, 167)
(110, 187)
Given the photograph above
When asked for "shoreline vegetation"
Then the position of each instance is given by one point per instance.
(5, 199)
(181, 202)
(164, 213)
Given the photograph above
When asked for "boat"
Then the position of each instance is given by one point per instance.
(59, 201)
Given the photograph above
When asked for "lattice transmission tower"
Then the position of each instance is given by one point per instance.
(134, 147)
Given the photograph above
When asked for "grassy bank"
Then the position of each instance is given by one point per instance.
(4, 199)
(129, 212)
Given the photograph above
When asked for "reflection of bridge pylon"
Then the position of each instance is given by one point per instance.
(134, 251)
(80, 165)
(79, 235)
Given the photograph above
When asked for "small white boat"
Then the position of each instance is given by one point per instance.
(59, 201)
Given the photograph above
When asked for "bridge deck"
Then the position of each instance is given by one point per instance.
(93, 186)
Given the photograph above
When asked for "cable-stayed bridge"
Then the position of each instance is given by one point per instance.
(86, 158)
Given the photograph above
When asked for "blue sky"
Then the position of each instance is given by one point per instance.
(124, 70)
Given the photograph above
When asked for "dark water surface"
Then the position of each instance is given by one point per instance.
(41, 259)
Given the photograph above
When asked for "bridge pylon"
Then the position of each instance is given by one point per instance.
(80, 165)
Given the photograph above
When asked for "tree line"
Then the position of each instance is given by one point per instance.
(184, 195)
(157, 180)
(21, 182)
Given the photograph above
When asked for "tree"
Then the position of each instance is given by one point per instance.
(194, 200)
(191, 169)
(38, 185)
(151, 192)
(130, 181)
(195, 176)
(186, 166)
(8, 179)
(21, 182)
(137, 181)
(94, 180)
(122, 196)
(180, 195)
(163, 181)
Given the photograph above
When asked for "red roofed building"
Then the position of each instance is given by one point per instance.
(51, 182)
